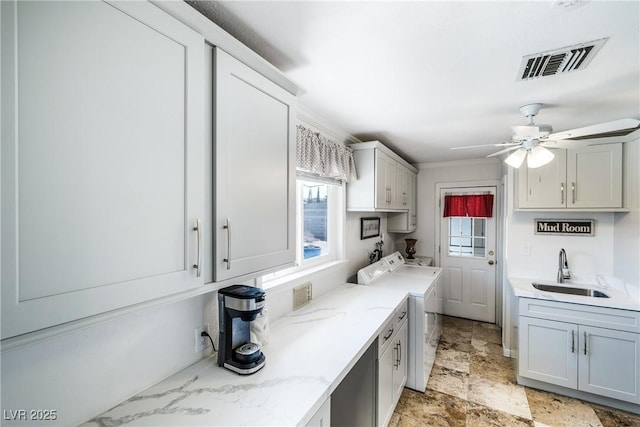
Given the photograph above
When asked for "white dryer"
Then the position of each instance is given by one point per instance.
(421, 283)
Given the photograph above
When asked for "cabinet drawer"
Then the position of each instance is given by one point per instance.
(386, 335)
(401, 314)
(610, 318)
(392, 326)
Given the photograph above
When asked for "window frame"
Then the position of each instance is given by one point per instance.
(336, 198)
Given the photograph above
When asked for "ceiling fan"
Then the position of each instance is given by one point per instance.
(530, 141)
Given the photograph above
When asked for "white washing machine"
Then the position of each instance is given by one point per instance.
(421, 282)
(399, 265)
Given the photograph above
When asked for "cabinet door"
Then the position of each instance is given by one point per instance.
(400, 364)
(102, 172)
(609, 363)
(594, 177)
(403, 175)
(254, 171)
(548, 351)
(322, 417)
(385, 180)
(386, 367)
(544, 187)
(413, 205)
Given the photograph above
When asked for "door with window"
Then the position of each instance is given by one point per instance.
(467, 252)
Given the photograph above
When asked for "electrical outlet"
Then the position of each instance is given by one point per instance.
(200, 342)
(302, 295)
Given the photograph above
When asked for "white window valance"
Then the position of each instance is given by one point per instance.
(323, 157)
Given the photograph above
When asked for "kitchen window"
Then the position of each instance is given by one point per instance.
(319, 218)
(319, 204)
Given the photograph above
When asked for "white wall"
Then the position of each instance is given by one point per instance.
(430, 174)
(626, 238)
(85, 371)
(280, 299)
(536, 256)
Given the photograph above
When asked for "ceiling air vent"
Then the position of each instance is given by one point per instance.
(557, 61)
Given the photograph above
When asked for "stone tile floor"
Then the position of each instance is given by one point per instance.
(473, 384)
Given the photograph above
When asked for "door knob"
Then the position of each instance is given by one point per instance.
(491, 262)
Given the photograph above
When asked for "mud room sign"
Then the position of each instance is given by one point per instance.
(565, 227)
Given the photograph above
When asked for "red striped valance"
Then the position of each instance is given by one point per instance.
(473, 205)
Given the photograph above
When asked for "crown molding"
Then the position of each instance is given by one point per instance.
(310, 118)
(457, 163)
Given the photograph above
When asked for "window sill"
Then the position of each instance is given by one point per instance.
(274, 283)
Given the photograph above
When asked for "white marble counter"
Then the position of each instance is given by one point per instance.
(621, 295)
(309, 352)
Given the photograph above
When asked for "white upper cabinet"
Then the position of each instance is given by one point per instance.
(384, 181)
(585, 178)
(102, 170)
(544, 187)
(254, 171)
(594, 177)
(406, 222)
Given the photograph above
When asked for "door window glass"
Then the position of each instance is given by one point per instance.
(467, 236)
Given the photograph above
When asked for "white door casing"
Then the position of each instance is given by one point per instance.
(469, 281)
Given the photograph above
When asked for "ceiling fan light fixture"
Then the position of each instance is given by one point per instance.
(539, 156)
(516, 158)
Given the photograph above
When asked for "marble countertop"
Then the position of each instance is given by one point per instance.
(621, 295)
(308, 354)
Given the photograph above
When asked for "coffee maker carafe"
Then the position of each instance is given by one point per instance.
(238, 305)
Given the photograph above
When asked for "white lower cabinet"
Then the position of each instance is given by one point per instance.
(322, 417)
(392, 365)
(597, 360)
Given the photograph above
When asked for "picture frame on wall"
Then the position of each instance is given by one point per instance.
(369, 227)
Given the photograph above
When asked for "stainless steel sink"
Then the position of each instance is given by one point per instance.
(573, 291)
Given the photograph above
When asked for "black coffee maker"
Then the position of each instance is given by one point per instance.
(238, 305)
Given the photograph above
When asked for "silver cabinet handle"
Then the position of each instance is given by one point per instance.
(404, 313)
(399, 352)
(198, 230)
(227, 226)
(386, 337)
(586, 337)
(562, 193)
(573, 343)
(395, 362)
(573, 193)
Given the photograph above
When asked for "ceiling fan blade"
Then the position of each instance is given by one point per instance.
(603, 130)
(504, 144)
(561, 143)
(506, 150)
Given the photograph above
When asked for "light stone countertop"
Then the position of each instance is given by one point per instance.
(622, 295)
(308, 354)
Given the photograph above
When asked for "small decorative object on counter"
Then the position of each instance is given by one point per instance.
(411, 248)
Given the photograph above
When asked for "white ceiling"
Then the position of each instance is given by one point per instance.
(425, 76)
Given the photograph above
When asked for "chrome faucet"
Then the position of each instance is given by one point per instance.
(563, 267)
